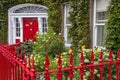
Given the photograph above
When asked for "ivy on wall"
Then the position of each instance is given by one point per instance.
(3, 22)
(79, 17)
(54, 13)
(113, 26)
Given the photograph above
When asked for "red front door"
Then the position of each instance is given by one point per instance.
(30, 27)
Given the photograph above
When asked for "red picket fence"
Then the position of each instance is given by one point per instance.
(82, 67)
(12, 67)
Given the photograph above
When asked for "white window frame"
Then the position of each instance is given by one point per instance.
(44, 25)
(95, 24)
(17, 28)
(66, 25)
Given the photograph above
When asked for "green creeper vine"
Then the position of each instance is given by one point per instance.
(80, 30)
(113, 26)
(54, 14)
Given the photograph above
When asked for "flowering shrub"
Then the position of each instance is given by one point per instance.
(39, 62)
(50, 43)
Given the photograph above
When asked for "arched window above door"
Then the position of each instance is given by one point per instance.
(28, 8)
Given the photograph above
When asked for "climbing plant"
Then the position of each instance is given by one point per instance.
(54, 13)
(113, 26)
(80, 30)
(3, 22)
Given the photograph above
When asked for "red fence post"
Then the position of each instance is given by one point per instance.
(47, 63)
(110, 66)
(101, 66)
(0, 66)
(71, 67)
(17, 71)
(8, 72)
(28, 66)
(33, 69)
(82, 66)
(118, 65)
(11, 63)
(23, 71)
(20, 68)
(59, 74)
(92, 67)
(14, 69)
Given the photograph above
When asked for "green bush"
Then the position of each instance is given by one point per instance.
(50, 43)
(27, 47)
(112, 27)
(56, 46)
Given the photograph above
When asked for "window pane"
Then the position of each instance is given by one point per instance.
(44, 25)
(102, 4)
(68, 37)
(17, 27)
(67, 13)
(17, 24)
(101, 16)
(100, 35)
(16, 20)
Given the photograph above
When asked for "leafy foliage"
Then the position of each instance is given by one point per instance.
(54, 15)
(112, 26)
(50, 43)
(27, 46)
(3, 22)
(79, 30)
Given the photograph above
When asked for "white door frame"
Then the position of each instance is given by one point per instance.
(21, 26)
(11, 23)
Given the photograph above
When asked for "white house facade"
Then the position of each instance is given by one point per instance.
(25, 20)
